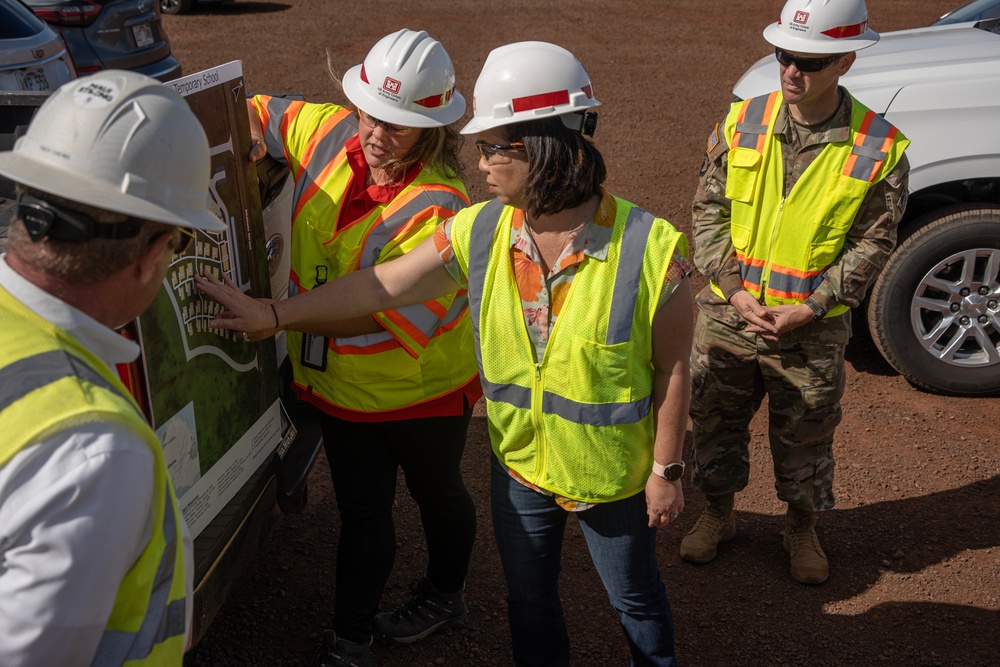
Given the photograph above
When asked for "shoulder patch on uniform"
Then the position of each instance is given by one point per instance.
(713, 139)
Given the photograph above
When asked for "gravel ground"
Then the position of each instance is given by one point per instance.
(914, 540)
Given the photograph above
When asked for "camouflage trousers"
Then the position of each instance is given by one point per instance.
(802, 376)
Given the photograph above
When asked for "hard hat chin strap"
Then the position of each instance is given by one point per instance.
(42, 219)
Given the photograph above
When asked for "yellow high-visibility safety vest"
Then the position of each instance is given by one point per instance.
(785, 244)
(426, 351)
(49, 382)
(580, 422)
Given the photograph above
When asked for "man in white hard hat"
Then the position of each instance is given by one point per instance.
(95, 561)
(796, 213)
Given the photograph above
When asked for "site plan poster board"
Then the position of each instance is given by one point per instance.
(213, 398)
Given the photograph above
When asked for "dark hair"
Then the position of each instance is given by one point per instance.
(565, 169)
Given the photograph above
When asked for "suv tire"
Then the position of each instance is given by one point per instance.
(935, 310)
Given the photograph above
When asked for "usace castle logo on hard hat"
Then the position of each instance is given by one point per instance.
(392, 85)
(801, 17)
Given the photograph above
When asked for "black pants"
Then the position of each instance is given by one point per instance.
(364, 459)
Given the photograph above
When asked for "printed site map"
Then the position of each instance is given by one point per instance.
(213, 397)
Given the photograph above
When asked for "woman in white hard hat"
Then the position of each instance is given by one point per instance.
(583, 318)
(396, 390)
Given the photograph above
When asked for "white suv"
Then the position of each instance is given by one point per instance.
(934, 312)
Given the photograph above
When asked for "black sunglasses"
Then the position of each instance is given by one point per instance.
(806, 64)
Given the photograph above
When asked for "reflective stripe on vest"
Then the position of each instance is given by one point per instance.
(26, 375)
(327, 145)
(751, 128)
(870, 147)
(625, 292)
(324, 152)
(426, 320)
(119, 646)
(837, 181)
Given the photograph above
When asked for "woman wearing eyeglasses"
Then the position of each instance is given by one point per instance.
(396, 390)
(583, 320)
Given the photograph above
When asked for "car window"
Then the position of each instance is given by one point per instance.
(16, 21)
(978, 10)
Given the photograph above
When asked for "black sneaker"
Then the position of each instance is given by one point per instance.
(428, 610)
(342, 653)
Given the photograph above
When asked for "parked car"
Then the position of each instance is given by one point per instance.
(227, 546)
(934, 313)
(977, 10)
(111, 34)
(32, 55)
(184, 6)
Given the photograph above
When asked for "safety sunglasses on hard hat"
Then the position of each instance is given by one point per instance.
(394, 130)
(805, 64)
(488, 150)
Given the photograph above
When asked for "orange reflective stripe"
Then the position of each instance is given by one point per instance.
(407, 327)
(751, 271)
(871, 145)
(755, 114)
(377, 348)
(331, 164)
(795, 273)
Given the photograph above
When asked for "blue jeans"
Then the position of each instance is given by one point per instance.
(529, 529)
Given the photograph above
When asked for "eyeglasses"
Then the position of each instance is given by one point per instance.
(187, 236)
(394, 130)
(806, 64)
(488, 150)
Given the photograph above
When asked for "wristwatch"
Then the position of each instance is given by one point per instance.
(819, 312)
(670, 472)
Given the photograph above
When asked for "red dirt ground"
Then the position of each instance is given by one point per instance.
(914, 540)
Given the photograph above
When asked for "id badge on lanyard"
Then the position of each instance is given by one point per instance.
(314, 346)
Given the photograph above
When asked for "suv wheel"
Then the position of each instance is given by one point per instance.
(176, 6)
(935, 310)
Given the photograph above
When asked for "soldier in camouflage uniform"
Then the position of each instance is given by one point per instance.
(770, 324)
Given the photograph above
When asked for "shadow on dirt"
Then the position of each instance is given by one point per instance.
(863, 355)
(739, 609)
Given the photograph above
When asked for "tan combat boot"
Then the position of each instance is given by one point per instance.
(809, 563)
(717, 524)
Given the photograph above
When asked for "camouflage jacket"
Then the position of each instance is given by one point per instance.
(868, 244)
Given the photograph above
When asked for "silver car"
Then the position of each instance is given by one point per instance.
(111, 34)
(32, 56)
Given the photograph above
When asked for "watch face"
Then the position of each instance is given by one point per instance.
(673, 472)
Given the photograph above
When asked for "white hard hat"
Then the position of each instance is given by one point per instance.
(822, 26)
(528, 81)
(406, 79)
(119, 141)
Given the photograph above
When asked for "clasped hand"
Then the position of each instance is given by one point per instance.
(769, 321)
